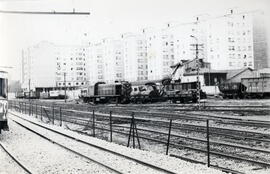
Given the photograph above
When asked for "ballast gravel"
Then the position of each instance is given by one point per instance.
(125, 166)
(41, 156)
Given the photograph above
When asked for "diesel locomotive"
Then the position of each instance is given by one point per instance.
(118, 92)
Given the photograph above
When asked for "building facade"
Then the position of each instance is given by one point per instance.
(135, 57)
(39, 66)
(46, 65)
(71, 65)
(113, 60)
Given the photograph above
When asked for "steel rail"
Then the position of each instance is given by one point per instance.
(68, 149)
(183, 146)
(101, 148)
(191, 127)
(14, 159)
(194, 116)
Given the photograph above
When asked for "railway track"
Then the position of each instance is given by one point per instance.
(201, 149)
(245, 135)
(140, 162)
(25, 169)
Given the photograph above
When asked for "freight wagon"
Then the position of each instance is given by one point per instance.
(253, 87)
(257, 87)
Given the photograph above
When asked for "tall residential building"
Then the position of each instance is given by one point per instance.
(46, 65)
(261, 47)
(96, 68)
(71, 63)
(235, 41)
(106, 61)
(113, 60)
(39, 66)
(160, 53)
(135, 57)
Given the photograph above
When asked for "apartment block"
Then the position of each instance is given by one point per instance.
(113, 60)
(106, 62)
(160, 53)
(47, 65)
(39, 66)
(135, 57)
(71, 63)
(95, 65)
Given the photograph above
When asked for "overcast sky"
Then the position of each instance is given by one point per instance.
(107, 18)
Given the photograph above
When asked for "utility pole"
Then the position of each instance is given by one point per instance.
(198, 70)
(65, 87)
(198, 76)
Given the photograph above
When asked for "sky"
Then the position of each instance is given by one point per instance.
(108, 18)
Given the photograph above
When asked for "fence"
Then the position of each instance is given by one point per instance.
(136, 132)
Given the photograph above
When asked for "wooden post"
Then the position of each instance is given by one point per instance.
(60, 116)
(133, 129)
(208, 143)
(36, 110)
(137, 135)
(41, 112)
(53, 115)
(93, 125)
(129, 135)
(30, 108)
(169, 136)
(111, 126)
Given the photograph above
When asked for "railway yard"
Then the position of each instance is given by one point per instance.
(231, 136)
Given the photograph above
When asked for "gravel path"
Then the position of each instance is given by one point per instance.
(41, 156)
